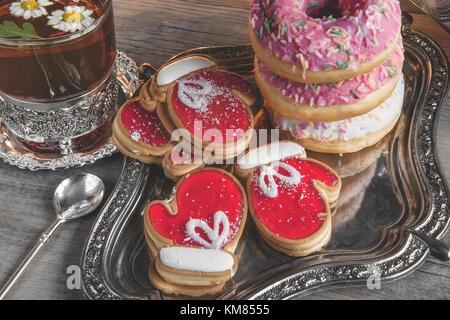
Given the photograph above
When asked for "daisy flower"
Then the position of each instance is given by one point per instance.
(29, 8)
(72, 18)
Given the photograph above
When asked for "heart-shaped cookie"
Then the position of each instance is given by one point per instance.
(289, 196)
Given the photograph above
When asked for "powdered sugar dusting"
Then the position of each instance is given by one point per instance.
(207, 98)
(144, 125)
(198, 94)
(135, 136)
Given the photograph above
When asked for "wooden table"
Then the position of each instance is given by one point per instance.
(153, 31)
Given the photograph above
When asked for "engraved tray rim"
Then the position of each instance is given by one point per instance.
(401, 252)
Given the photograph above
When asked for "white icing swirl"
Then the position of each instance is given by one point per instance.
(270, 189)
(197, 94)
(216, 239)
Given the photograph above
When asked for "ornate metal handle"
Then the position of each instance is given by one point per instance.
(438, 249)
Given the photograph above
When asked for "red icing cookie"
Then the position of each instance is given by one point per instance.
(143, 125)
(211, 107)
(289, 198)
(141, 131)
(192, 237)
(297, 211)
(206, 202)
(208, 97)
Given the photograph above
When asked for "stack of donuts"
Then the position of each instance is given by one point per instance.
(330, 71)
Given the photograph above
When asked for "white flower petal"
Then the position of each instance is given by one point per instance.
(27, 15)
(73, 26)
(60, 25)
(58, 12)
(18, 12)
(44, 3)
(53, 22)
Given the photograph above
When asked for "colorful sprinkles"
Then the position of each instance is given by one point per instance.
(343, 92)
(285, 30)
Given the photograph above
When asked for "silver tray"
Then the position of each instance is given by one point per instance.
(389, 231)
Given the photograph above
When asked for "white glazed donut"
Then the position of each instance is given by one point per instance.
(349, 135)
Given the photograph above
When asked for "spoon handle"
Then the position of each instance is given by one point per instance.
(39, 244)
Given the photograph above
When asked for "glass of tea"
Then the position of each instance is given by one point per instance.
(58, 83)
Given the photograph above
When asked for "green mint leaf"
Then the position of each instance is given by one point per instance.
(11, 30)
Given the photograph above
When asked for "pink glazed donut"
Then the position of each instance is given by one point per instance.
(331, 101)
(323, 41)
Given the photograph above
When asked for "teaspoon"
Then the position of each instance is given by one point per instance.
(74, 197)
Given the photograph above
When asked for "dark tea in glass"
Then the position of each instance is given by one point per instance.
(57, 70)
(47, 63)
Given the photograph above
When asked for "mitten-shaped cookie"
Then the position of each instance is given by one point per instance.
(210, 107)
(289, 196)
(193, 236)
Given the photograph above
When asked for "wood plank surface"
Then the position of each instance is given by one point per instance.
(153, 31)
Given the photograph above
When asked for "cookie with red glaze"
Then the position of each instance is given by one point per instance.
(143, 135)
(210, 106)
(140, 131)
(148, 159)
(289, 196)
(193, 236)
